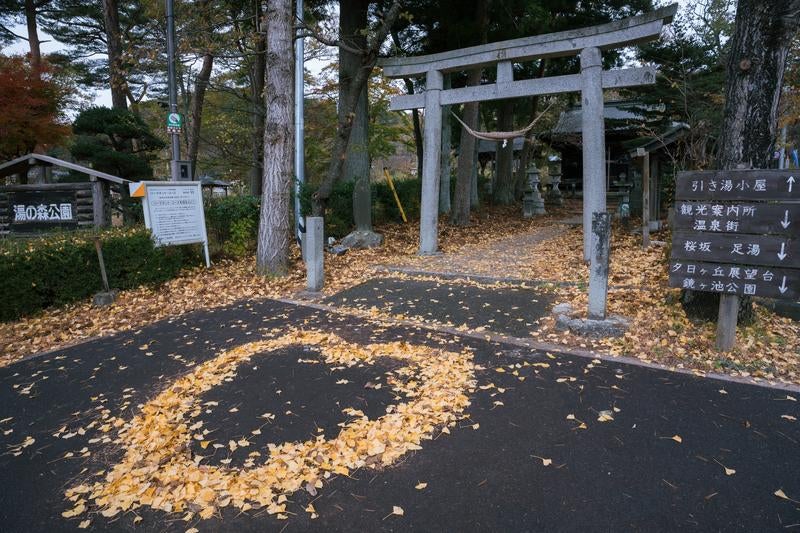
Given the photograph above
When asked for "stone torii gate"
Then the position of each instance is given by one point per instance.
(586, 42)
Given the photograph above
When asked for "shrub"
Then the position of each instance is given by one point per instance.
(62, 268)
(241, 239)
(222, 216)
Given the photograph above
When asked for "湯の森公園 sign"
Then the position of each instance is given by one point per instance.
(34, 211)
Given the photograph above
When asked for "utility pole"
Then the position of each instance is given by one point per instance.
(299, 127)
(174, 120)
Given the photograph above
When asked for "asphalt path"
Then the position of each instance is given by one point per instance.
(508, 310)
(673, 452)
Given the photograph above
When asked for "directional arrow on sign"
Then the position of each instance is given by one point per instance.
(785, 222)
(783, 288)
(790, 181)
(782, 253)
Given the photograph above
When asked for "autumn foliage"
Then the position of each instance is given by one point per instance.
(30, 104)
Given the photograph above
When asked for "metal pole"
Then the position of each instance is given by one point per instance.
(782, 160)
(646, 200)
(173, 91)
(299, 127)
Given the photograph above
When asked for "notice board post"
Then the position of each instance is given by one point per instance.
(737, 233)
(173, 212)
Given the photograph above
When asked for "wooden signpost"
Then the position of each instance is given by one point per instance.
(737, 233)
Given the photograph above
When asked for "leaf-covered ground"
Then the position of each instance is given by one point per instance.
(229, 281)
(499, 245)
(227, 420)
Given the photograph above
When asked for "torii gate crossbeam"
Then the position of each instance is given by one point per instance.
(585, 42)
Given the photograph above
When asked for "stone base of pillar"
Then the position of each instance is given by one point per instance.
(611, 326)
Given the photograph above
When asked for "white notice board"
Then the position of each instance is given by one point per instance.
(173, 212)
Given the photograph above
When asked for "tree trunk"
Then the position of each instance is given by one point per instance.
(119, 89)
(196, 113)
(345, 126)
(352, 26)
(756, 63)
(462, 195)
(504, 188)
(33, 36)
(419, 145)
(257, 103)
(274, 230)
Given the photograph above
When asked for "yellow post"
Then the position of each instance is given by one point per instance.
(394, 192)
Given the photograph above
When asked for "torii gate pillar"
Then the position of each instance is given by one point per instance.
(594, 141)
(429, 204)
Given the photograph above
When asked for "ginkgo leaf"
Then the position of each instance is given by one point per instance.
(397, 510)
(84, 524)
(677, 438)
(605, 416)
(75, 511)
(420, 486)
(729, 471)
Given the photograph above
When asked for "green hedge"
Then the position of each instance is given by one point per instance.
(62, 268)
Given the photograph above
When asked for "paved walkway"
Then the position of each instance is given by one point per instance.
(552, 442)
(502, 259)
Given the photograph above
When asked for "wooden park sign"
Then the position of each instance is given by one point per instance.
(737, 233)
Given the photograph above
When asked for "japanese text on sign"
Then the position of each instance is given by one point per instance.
(759, 219)
(735, 233)
(44, 213)
(734, 279)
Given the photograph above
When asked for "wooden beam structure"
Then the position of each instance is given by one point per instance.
(612, 79)
(586, 42)
(32, 159)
